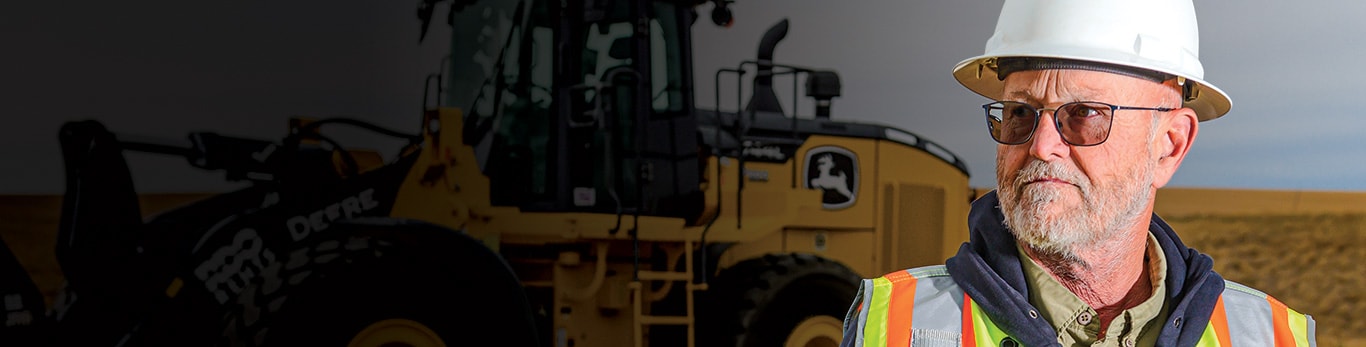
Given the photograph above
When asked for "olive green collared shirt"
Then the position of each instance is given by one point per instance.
(1077, 323)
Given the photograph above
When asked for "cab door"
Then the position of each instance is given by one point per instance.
(632, 138)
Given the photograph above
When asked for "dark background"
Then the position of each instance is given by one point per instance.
(165, 68)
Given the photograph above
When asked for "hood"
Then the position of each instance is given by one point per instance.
(988, 269)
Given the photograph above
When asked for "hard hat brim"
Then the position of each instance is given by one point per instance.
(1208, 101)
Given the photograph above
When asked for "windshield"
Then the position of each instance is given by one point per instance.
(514, 64)
(479, 34)
(501, 50)
(666, 63)
(666, 59)
(490, 39)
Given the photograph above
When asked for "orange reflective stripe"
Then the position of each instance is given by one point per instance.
(969, 334)
(1280, 320)
(902, 307)
(1219, 321)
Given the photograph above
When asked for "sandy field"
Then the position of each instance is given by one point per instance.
(1303, 248)
(1311, 262)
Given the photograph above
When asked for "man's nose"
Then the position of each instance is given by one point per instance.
(1047, 143)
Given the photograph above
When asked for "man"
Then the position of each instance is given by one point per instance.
(1097, 102)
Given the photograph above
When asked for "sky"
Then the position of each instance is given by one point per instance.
(165, 68)
(1295, 122)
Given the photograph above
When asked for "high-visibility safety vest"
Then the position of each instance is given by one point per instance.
(925, 307)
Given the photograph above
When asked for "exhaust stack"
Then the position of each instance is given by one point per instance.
(764, 98)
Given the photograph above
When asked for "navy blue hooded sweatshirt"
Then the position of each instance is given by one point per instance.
(988, 269)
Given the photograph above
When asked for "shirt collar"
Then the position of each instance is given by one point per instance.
(1076, 322)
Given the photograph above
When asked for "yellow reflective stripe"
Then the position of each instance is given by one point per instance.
(985, 332)
(1209, 338)
(1299, 326)
(875, 327)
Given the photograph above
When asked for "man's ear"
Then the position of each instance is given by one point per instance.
(1173, 142)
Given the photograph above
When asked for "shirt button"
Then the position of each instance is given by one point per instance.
(1128, 343)
(1084, 318)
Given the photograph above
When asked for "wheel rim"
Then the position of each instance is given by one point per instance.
(396, 333)
(816, 331)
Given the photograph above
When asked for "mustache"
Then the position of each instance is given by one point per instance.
(1040, 170)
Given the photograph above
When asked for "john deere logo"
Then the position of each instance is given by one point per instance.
(833, 170)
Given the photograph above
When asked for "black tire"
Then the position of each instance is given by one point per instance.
(24, 321)
(326, 293)
(759, 301)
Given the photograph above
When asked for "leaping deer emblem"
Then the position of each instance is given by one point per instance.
(831, 181)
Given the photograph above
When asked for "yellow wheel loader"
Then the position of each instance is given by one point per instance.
(562, 189)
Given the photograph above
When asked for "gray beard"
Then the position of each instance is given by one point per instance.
(1101, 217)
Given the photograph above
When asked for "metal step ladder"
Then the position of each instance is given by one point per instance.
(638, 286)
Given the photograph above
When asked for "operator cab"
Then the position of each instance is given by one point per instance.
(588, 106)
(587, 112)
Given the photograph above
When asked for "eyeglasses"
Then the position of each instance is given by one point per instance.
(1082, 123)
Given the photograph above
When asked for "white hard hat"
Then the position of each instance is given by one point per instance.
(1153, 37)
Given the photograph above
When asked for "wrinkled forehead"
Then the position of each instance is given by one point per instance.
(1063, 85)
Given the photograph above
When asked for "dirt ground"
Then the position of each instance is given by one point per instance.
(1311, 262)
(1309, 257)
(29, 223)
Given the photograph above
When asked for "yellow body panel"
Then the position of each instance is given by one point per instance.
(923, 208)
(904, 207)
(850, 247)
(912, 205)
(861, 213)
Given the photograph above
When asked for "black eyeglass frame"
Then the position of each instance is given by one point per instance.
(1057, 123)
